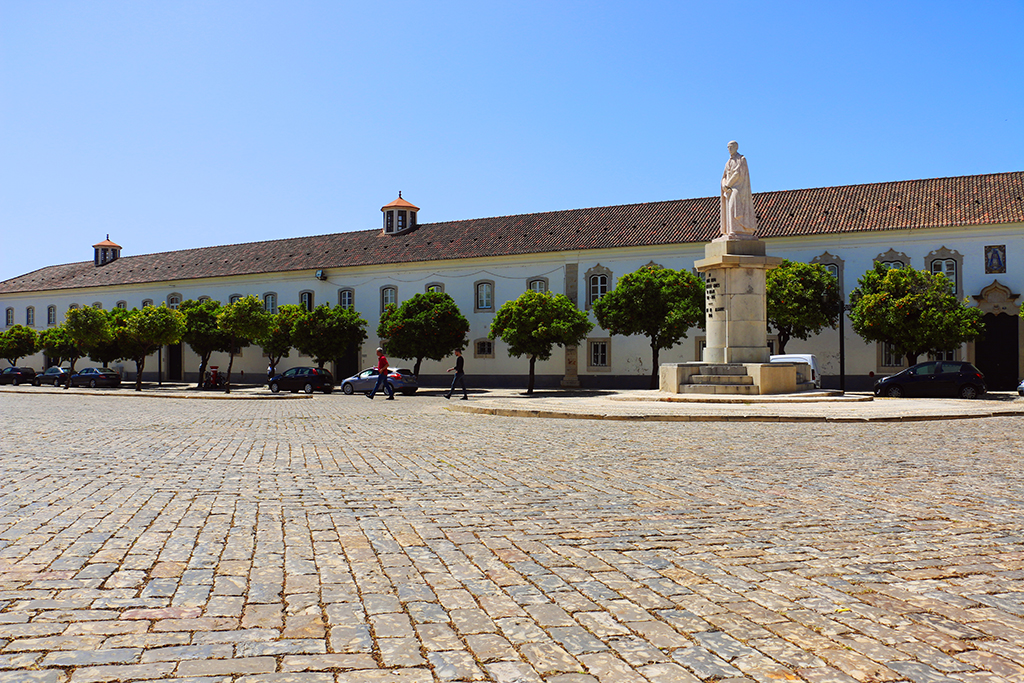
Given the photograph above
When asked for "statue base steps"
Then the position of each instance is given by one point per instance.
(753, 379)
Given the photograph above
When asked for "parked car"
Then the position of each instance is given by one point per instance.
(1020, 388)
(399, 379)
(934, 378)
(810, 359)
(17, 376)
(305, 379)
(96, 377)
(55, 376)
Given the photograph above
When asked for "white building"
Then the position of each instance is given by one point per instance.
(969, 228)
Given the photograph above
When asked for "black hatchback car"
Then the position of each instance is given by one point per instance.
(935, 378)
(17, 376)
(54, 375)
(303, 379)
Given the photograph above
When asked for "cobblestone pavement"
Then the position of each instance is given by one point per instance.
(335, 539)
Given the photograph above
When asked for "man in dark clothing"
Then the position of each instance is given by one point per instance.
(460, 376)
(382, 377)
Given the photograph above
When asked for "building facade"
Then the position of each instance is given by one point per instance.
(968, 228)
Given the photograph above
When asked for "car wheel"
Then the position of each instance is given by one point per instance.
(56, 382)
(968, 391)
(895, 391)
(308, 388)
(14, 381)
(348, 389)
(92, 384)
(275, 387)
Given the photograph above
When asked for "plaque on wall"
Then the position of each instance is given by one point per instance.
(995, 259)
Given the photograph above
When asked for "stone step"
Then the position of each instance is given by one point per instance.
(723, 369)
(720, 379)
(735, 389)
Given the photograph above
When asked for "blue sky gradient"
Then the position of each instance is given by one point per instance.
(173, 125)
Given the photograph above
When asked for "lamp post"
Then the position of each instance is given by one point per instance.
(842, 345)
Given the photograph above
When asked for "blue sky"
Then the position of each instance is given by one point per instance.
(173, 125)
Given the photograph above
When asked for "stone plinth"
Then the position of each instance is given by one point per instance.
(735, 300)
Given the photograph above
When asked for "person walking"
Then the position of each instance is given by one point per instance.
(460, 376)
(382, 377)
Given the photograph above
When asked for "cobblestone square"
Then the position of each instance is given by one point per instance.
(339, 540)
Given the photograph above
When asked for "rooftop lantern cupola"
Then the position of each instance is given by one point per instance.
(105, 252)
(399, 216)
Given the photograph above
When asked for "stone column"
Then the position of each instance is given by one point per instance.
(736, 302)
(571, 378)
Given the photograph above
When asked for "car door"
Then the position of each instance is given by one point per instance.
(366, 381)
(289, 380)
(922, 380)
(947, 374)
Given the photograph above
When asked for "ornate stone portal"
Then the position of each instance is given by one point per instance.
(735, 266)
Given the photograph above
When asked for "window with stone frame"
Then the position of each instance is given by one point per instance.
(9, 317)
(949, 263)
(537, 284)
(51, 315)
(434, 287)
(347, 298)
(123, 305)
(270, 303)
(234, 298)
(306, 300)
(174, 301)
(388, 295)
(834, 265)
(889, 358)
(483, 300)
(599, 356)
(893, 259)
(483, 348)
(30, 316)
(98, 305)
(598, 281)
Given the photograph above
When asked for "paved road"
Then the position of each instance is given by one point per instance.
(335, 539)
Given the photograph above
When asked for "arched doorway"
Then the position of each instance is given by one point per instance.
(997, 351)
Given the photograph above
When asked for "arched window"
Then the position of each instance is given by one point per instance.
(51, 315)
(147, 302)
(30, 316)
(388, 295)
(306, 300)
(949, 263)
(234, 298)
(9, 317)
(270, 303)
(347, 298)
(537, 284)
(174, 301)
(123, 305)
(483, 301)
(203, 299)
(598, 280)
(98, 305)
(73, 307)
(435, 287)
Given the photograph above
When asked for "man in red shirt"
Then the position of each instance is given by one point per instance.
(382, 377)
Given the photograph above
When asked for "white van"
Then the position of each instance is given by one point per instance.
(809, 359)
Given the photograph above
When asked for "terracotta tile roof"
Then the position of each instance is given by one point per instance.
(400, 203)
(903, 205)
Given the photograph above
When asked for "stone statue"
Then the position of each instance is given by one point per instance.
(738, 218)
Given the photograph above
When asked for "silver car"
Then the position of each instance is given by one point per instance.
(399, 379)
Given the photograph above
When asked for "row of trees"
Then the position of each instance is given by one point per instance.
(915, 311)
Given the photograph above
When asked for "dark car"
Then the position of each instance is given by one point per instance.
(17, 376)
(55, 376)
(934, 378)
(399, 379)
(96, 377)
(304, 379)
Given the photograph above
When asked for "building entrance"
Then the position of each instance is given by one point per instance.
(174, 363)
(997, 351)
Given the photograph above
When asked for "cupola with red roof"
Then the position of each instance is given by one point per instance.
(399, 216)
(105, 252)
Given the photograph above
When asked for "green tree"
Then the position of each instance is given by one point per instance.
(326, 333)
(58, 345)
(803, 299)
(147, 329)
(202, 333)
(428, 325)
(278, 341)
(658, 303)
(536, 322)
(914, 310)
(88, 328)
(109, 350)
(17, 342)
(244, 321)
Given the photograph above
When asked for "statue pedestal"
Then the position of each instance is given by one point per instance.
(735, 299)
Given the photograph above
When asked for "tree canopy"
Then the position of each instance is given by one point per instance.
(145, 330)
(17, 342)
(429, 325)
(87, 328)
(278, 340)
(202, 333)
(803, 299)
(535, 323)
(107, 351)
(244, 321)
(326, 333)
(914, 310)
(658, 303)
(58, 345)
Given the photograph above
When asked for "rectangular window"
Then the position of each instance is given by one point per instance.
(51, 315)
(9, 318)
(30, 316)
(538, 286)
(401, 220)
(598, 354)
(889, 357)
(484, 296)
(270, 303)
(306, 300)
(346, 299)
(598, 287)
(484, 348)
(388, 295)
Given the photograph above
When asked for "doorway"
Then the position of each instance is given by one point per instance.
(997, 351)
(174, 363)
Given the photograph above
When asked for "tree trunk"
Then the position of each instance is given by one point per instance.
(416, 368)
(529, 386)
(655, 370)
(912, 358)
(203, 362)
(140, 364)
(227, 380)
(783, 340)
(71, 371)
